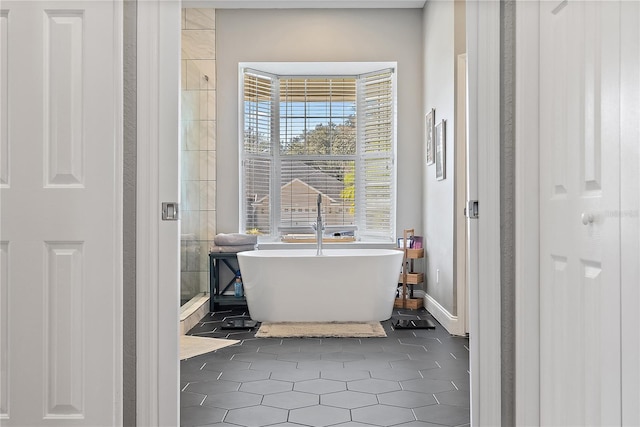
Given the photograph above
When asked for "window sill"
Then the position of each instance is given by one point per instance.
(351, 245)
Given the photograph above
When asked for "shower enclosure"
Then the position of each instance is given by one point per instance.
(198, 151)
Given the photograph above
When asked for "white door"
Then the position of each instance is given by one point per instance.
(580, 333)
(157, 241)
(630, 209)
(483, 183)
(60, 171)
(461, 141)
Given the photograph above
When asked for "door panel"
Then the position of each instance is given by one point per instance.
(61, 276)
(63, 92)
(591, 164)
(4, 111)
(580, 239)
(4, 330)
(63, 325)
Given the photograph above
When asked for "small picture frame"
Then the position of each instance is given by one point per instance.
(429, 136)
(441, 145)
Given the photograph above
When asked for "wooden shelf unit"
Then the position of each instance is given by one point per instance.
(408, 276)
(413, 278)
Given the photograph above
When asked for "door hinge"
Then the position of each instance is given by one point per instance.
(471, 211)
(170, 211)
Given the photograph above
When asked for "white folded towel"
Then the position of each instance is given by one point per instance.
(235, 239)
(232, 249)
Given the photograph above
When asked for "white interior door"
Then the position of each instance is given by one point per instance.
(483, 177)
(461, 141)
(473, 254)
(630, 209)
(157, 241)
(580, 333)
(60, 172)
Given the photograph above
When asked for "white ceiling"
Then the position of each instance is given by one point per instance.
(305, 4)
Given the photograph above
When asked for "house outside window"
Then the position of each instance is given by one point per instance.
(309, 135)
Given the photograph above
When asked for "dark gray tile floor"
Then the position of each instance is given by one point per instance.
(411, 378)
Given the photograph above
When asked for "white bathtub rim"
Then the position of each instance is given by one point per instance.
(295, 252)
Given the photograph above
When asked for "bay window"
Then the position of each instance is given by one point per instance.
(304, 136)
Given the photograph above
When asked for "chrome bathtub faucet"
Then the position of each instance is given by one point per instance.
(318, 226)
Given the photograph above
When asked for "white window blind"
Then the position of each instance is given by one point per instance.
(257, 161)
(317, 116)
(317, 149)
(305, 136)
(376, 175)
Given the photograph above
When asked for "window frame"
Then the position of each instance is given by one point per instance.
(275, 207)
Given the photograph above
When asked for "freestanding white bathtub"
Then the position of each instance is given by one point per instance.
(342, 285)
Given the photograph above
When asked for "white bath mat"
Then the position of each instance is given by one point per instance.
(191, 346)
(321, 330)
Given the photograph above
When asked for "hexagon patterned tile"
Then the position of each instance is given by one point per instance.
(411, 378)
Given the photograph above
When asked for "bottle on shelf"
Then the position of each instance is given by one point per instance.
(238, 290)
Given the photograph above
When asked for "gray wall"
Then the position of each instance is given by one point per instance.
(439, 92)
(321, 35)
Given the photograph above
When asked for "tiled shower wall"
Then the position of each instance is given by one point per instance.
(198, 149)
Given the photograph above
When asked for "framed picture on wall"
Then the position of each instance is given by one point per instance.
(429, 136)
(441, 144)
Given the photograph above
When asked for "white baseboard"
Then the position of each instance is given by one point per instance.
(446, 319)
